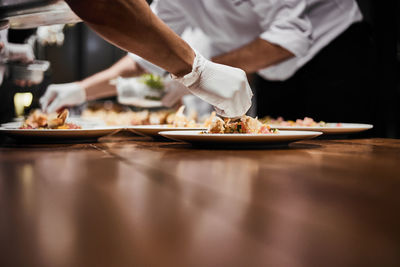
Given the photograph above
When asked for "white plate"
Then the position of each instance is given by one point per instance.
(84, 123)
(331, 128)
(83, 134)
(198, 137)
(153, 130)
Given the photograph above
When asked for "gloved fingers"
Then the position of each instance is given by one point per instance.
(55, 105)
(47, 98)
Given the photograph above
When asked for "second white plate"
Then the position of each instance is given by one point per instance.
(199, 137)
(331, 128)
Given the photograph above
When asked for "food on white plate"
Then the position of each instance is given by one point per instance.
(245, 124)
(181, 120)
(123, 118)
(40, 120)
(162, 117)
(306, 122)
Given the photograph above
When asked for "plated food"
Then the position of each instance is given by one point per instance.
(308, 124)
(175, 118)
(175, 121)
(46, 127)
(245, 131)
(245, 124)
(40, 120)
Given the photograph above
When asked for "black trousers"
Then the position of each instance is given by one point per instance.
(337, 85)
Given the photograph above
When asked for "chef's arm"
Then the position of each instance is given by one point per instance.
(98, 85)
(254, 56)
(132, 26)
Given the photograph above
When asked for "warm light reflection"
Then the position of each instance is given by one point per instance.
(22, 101)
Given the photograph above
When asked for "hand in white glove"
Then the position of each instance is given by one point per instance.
(18, 52)
(62, 95)
(224, 87)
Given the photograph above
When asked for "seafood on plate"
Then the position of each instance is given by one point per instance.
(245, 125)
(40, 120)
(306, 122)
(114, 118)
(146, 117)
(181, 120)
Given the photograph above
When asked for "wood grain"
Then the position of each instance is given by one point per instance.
(135, 202)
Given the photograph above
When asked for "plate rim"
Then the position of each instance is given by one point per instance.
(242, 134)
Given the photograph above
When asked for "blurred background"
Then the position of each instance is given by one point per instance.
(83, 53)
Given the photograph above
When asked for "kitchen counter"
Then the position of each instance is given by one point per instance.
(129, 201)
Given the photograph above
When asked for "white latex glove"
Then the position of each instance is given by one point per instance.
(18, 52)
(224, 87)
(62, 95)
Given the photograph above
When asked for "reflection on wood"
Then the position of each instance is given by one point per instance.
(135, 202)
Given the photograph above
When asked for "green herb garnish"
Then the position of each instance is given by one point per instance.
(152, 81)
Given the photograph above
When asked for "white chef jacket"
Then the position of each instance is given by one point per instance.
(303, 27)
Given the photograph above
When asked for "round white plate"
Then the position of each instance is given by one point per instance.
(331, 128)
(198, 137)
(84, 123)
(153, 130)
(83, 134)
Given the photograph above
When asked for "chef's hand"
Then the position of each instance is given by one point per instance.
(174, 93)
(62, 95)
(19, 52)
(224, 87)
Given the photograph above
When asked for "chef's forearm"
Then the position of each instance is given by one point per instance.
(98, 85)
(131, 25)
(254, 56)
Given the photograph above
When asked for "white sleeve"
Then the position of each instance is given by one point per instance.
(169, 12)
(285, 23)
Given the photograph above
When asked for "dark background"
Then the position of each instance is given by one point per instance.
(85, 53)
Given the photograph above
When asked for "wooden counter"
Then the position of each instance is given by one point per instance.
(134, 202)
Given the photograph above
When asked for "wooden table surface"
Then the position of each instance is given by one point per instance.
(134, 202)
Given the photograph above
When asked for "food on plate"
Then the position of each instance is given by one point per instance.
(245, 124)
(40, 120)
(306, 122)
(207, 122)
(181, 120)
(146, 117)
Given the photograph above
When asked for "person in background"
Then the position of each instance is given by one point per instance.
(14, 52)
(11, 52)
(313, 41)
